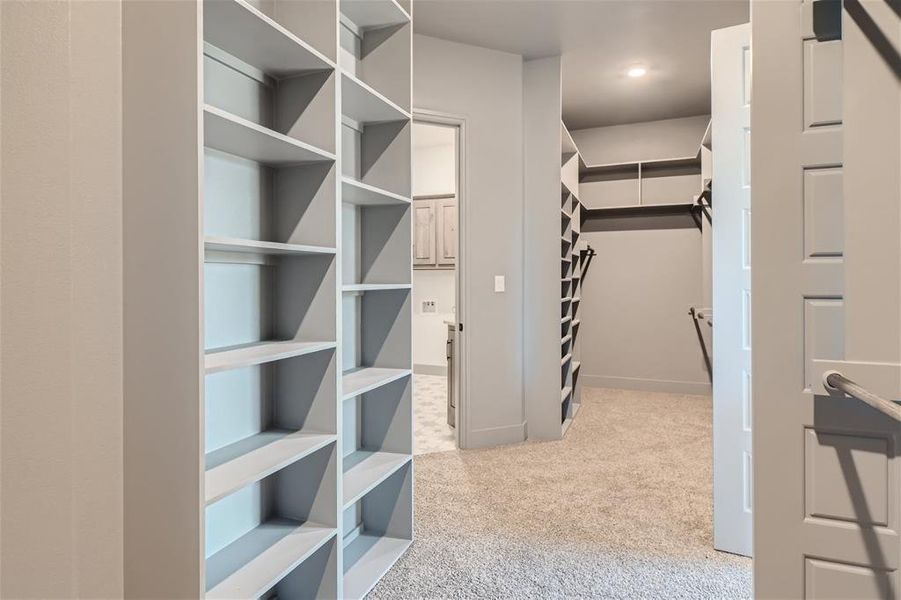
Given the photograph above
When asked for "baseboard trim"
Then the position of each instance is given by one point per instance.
(496, 436)
(647, 385)
(430, 370)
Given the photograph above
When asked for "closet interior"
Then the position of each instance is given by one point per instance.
(302, 189)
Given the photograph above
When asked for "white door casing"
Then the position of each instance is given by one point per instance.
(730, 62)
(826, 249)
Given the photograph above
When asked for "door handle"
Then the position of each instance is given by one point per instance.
(833, 380)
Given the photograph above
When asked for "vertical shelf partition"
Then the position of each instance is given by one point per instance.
(553, 391)
(301, 485)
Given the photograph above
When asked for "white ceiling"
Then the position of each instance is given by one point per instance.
(599, 40)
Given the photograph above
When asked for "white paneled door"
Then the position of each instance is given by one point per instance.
(826, 250)
(730, 63)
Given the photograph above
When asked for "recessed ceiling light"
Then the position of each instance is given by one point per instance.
(636, 71)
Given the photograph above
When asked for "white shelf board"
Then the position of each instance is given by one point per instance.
(566, 358)
(246, 355)
(565, 393)
(371, 14)
(232, 467)
(366, 379)
(577, 299)
(566, 424)
(568, 144)
(235, 135)
(226, 244)
(566, 339)
(252, 564)
(576, 365)
(363, 470)
(565, 319)
(369, 558)
(362, 103)
(246, 33)
(577, 322)
(375, 287)
(565, 299)
(363, 194)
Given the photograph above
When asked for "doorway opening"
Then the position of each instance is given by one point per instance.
(436, 269)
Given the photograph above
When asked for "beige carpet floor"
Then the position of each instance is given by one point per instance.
(620, 508)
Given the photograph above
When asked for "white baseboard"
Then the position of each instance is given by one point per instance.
(430, 370)
(698, 388)
(496, 436)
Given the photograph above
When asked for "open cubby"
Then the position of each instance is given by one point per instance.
(261, 418)
(378, 528)
(378, 54)
(256, 300)
(301, 106)
(376, 244)
(378, 154)
(264, 530)
(247, 200)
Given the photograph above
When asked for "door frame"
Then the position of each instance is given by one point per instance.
(461, 358)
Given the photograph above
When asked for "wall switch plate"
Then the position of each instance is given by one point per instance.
(499, 283)
(428, 306)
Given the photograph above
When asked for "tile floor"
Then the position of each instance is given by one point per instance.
(431, 431)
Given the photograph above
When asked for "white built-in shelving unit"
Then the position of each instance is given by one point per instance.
(269, 392)
(553, 228)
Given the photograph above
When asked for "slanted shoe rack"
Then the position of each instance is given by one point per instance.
(267, 161)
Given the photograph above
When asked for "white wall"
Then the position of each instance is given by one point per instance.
(434, 172)
(652, 140)
(485, 87)
(635, 300)
(61, 472)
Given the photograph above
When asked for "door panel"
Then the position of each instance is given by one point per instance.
(423, 232)
(826, 249)
(447, 230)
(730, 127)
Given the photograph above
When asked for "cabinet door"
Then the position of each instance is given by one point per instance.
(424, 232)
(447, 230)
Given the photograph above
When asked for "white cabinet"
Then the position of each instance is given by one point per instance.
(435, 232)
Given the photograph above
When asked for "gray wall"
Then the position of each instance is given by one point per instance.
(669, 138)
(485, 87)
(61, 298)
(635, 300)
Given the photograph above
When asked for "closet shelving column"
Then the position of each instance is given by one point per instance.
(572, 281)
(376, 273)
(552, 228)
(269, 302)
(244, 143)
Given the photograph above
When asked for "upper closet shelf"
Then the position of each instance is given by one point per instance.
(372, 14)
(224, 244)
(246, 33)
(375, 287)
(247, 355)
(363, 194)
(366, 379)
(363, 470)
(363, 104)
(236, 135)
(251, 565)
(249, 460)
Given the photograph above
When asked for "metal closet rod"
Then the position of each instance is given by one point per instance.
(833, 380)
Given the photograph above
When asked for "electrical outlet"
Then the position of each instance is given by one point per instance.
(428, 306)
(499, 283)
